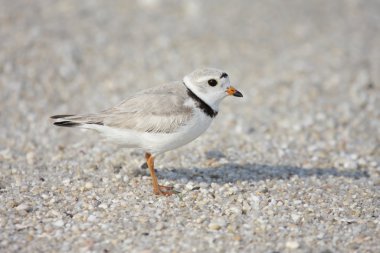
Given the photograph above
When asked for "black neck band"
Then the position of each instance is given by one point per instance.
(201, 104)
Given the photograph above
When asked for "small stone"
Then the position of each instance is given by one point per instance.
(217, 223)
(234, 210)
(59, 223)
(214, 154)
(255, 201)
(160, 226)
(295, 217)
(246, 206)
(237, 238)
(5, 154)
(189, 186)
(23, 188)
(292, 244)
(214, 226)
(233, 190)
(200, 219)
(22, 207)
(54, 213)
(88, 186)
(350, 164)
(30, 158)
(91, 218)
(354, 156)
(66, 181)
(103, 206)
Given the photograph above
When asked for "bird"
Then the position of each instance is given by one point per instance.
(162, 118)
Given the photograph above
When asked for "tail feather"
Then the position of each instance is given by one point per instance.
(61, 116)
(68, 120)
(67, 123)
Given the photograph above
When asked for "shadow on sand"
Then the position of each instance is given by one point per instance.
(229, 173)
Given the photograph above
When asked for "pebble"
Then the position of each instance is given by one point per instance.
(189, 186)
(160, 226)
(6, 154)
(22, 206)
(234, 210)
(103, 206)
(91, 218)
(30, 158)
(350, 164)
(217, 223)
(214, 226)
(292, 244)
(295, 217)
(88, 185)
(66, 181)
(201, 219)
(214, 154)
(59, 223)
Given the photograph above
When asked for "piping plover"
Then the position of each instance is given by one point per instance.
(162, 118)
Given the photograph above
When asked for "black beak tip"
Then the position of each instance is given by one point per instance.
(238, 94)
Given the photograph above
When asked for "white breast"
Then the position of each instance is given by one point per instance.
(156, 143)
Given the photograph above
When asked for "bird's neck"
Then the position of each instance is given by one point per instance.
(202, 105)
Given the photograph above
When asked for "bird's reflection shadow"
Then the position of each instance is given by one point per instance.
(231, 172)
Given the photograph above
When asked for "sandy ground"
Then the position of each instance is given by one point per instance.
(292, 167)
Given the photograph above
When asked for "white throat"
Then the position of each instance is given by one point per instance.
(211, 99)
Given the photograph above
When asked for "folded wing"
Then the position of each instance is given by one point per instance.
(157, 110)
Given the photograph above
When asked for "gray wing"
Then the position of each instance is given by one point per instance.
(158, 110)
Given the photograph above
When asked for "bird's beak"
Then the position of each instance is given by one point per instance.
(233, 92)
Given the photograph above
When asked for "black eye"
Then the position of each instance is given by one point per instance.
(212, 82)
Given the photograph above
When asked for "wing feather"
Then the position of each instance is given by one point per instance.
(158, 110)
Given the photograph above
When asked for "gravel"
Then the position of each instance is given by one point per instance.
(294, 166)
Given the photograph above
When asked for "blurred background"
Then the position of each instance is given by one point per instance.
(73, 57)
(309, 72)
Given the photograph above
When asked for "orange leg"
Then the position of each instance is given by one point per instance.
(157, 189)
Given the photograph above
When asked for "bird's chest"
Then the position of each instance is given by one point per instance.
(187, 133)
(197, 125)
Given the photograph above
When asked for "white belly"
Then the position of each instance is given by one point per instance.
(162, 142)
(156, 143)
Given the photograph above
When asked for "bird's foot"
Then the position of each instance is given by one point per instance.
(165, 190)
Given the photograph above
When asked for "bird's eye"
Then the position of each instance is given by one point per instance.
(212, 82)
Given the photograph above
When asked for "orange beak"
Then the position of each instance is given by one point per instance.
(233, 92)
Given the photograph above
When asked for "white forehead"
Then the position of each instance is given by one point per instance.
(204, 74)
